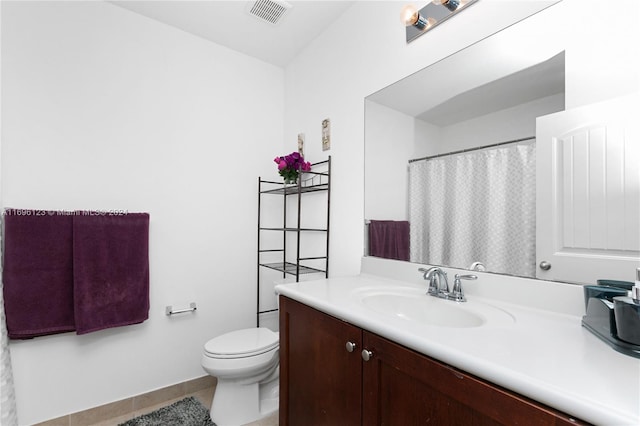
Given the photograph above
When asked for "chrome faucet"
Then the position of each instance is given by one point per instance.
(438, 283)
(477, 266)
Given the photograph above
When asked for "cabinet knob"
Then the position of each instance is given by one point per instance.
(350, 346)
(367, 355)
(545, 266)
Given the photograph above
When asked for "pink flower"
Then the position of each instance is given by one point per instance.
(289, 166)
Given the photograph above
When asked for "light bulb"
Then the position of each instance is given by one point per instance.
(409, 15)
(449, 4)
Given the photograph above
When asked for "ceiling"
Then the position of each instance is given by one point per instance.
(536, 82)
(229, 24)
(494, 82)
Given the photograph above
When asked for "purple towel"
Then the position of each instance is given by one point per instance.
(111, 270)
(389, 239)
(38, 273)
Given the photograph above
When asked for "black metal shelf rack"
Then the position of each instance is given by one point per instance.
(316, 180)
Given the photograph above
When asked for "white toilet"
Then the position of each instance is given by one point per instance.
(246, 363)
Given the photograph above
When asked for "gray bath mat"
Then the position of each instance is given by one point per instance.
(186, 412)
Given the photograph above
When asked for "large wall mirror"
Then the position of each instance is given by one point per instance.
(463, 130)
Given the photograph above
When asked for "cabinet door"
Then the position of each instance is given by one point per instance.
(402, 387)
(320, 380)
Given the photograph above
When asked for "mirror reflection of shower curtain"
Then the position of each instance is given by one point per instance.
(476, 206)
(8, 413)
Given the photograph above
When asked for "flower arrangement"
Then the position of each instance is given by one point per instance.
(291, 165)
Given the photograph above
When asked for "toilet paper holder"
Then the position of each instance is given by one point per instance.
(170, 311)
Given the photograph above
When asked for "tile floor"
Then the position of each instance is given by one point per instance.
(204, 395)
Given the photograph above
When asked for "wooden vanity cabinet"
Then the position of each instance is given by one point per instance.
(322, 383)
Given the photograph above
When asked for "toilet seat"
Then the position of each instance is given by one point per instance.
(242, 343)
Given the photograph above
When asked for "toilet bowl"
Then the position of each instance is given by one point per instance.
(246, 364)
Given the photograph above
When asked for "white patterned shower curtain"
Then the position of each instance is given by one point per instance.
(8, 413)
(476, 206)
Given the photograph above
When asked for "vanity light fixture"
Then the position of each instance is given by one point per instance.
(418, 22)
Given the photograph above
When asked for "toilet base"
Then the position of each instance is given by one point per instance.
(269, 397)
(237, 404)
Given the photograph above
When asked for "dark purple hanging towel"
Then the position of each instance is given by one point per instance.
(111, 270)
(37, 273)
(389, 239)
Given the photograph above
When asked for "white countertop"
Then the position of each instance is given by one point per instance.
(544, 355)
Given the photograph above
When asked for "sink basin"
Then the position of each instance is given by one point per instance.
(415, 305)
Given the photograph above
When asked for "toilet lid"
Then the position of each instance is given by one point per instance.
(241, 343)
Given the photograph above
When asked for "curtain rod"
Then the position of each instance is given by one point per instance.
(472, 149)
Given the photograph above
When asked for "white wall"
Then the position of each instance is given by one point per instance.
(365, 50)
(603, 60)
(390, 136)
(105, 109)
(500, 126)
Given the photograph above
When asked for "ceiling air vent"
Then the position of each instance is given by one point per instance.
(268, 10)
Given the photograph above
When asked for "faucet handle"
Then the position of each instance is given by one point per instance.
(425, 272)
(457, 293)
(466, 277)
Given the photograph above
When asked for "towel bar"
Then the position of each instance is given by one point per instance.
(169, 309)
